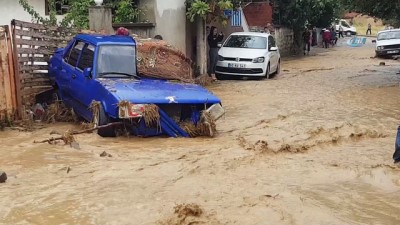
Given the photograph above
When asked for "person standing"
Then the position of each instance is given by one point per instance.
(340, 31)
(213, 39)
(326, 37)
(369, 30)
(333, 36)
(314, 37)
(307, 41)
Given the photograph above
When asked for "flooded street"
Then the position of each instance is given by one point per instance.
(312, 146)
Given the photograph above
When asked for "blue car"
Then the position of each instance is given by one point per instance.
(104, 69)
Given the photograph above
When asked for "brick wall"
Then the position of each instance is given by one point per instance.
(258, 14)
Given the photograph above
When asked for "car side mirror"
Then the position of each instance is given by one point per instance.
(373, 41)
(219, 45)
(273, 49)
(87, 72)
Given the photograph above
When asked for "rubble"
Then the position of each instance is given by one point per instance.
(3, 176)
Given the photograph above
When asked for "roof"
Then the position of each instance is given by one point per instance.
(258, 14)
(350, 15)
(252, 34)
(97, 39)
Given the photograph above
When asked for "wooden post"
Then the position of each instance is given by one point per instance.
(6, 99)
(11, 70)
(20, 109)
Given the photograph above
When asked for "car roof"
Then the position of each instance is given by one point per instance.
(258, 34)
(97, 39)
(391, 30)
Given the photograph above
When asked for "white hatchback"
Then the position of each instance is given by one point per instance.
(249, 54)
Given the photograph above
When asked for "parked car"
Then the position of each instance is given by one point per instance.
(249, 54)
(103, 68)
(347, 28)
(388, 43)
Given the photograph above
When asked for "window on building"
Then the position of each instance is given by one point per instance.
(62, 7)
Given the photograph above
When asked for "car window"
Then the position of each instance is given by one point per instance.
(87, 58)
(344, 24)
(246, 41)
(271, 42)
(75, 52)
(389, 35)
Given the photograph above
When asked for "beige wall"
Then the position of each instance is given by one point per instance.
(171, 22)
(11, 9)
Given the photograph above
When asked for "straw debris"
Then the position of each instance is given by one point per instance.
(95, 109)
(205, 127)
(58, 112)
(151, 116)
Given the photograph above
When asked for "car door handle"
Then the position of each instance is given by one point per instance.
(73, 76)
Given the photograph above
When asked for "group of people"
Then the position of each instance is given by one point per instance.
(329, 37)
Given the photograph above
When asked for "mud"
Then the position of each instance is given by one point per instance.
(310, 146)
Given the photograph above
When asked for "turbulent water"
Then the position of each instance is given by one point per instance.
(311, 146)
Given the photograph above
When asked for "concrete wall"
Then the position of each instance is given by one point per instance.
(285, 40)
(11, 9)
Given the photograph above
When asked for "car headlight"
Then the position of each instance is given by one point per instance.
(380, 47)
(220, 58)
(259, 60)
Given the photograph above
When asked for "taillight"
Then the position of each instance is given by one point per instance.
(131, 111)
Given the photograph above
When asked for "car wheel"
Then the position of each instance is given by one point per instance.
(104, 120)
(348, 33)
(219, 76)
(267, 72)
(278, 68)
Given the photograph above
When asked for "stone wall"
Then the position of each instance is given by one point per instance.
(285, 41)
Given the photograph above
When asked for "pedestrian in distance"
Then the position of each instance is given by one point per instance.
(213, 39)
(307, 41)
(314, 37)
(341, 31)
(369, 30)
(326, 37)
(333, 36)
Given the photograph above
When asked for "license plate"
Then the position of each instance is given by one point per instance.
(236, 65)
(391, 52)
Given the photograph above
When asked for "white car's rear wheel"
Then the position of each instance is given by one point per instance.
(278, 68)
(267, 72)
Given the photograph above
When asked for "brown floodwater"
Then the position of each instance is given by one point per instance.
(311, 146)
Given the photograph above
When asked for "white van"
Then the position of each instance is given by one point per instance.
(388, 43)
(347, 28)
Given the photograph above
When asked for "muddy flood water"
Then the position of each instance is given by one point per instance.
(312, 146)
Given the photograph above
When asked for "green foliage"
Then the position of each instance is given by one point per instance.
(198, 8)
(126, 13)
(388, 10)
(298, 14)
(78, 14)
(211, 9)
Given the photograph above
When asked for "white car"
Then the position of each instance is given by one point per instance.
(249, 54)
(388, 43)
(347, 28)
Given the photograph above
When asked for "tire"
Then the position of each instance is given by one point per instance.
(278, 68)
(348, 33)
(267, 73)
(104, 120)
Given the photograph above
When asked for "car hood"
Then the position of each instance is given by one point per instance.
(388, 42)
(152, 91)
(242, 52)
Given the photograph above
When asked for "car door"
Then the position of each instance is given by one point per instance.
(69, 68)
(274, 56)
(83, 86)
(64, 78)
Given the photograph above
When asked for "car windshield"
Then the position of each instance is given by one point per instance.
(116, 61)
(246, 41)
(389, 35)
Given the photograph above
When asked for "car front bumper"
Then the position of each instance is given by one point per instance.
(387, 52)
(240, 68)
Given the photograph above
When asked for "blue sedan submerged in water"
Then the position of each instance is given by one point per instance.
(103, 69)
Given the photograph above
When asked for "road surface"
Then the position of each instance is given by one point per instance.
(310, 146)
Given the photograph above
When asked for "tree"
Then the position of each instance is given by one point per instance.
(387, 10)
(210, 9)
